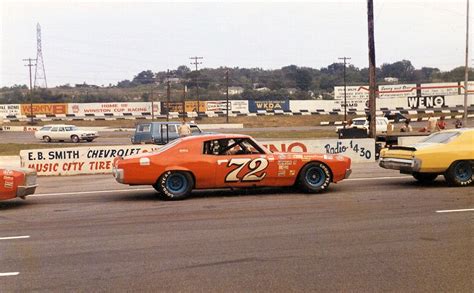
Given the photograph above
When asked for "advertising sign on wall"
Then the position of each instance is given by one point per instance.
(426, 102)
(78, 160)
(359, 150)
(397, 90)
(44, 109)
(217, 105)
(255, 106)
(11, 109)
(192, 106)
(241, 106)
(173, 107)
(439, 89)
(136, 108)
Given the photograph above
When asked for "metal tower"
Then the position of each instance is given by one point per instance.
(40, 72)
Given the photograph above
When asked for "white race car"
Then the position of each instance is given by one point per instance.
(62, 132)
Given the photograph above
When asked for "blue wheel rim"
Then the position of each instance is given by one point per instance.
(463, 171)
(315, 176)
(176, 183)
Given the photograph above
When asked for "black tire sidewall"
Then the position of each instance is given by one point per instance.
(47, 139)
(75, 139)
(451, 176)
(165, 193)
(306, 187)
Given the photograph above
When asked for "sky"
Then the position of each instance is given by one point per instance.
(102, 42)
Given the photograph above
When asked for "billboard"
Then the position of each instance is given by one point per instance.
(217, 106)
(241, 106)
(270, 105)
(136, 108)
(12, 109)
(439, 89)
(397, 90)
(44, 109)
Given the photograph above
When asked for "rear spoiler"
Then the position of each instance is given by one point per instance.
(403, 148)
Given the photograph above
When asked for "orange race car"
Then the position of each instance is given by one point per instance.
(17, 182)
(227, 161)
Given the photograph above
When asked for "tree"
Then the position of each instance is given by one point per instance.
(303, 79)
(144, 77)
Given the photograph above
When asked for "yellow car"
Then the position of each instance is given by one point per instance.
(449, 152)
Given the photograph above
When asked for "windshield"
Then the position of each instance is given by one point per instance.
(441, 137)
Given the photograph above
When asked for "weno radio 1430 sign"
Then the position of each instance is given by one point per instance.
(78, 160)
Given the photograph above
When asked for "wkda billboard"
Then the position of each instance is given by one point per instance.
(270, 105)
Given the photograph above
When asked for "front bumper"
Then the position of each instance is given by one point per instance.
(404, 165)
(23, 191)
(118, 174)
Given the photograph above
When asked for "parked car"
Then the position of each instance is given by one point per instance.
(449, 153)
(63, 132)
(363, 123)
(17, 182)
(159, 132)
(396, 117)
(227, 161)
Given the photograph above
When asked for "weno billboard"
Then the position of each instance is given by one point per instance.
(78, 160)
(44, 109)
(99, 109)
(359, 150)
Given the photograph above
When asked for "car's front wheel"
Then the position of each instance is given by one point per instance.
(174, 185)
(425, 177)
(459, 173)
(47, 138)
(314, 178)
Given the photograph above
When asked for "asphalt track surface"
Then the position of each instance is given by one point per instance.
(377, 231)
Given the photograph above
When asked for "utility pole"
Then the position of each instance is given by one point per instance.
(345, 93)
(372, 78)
(152, 105)
(185, 89)
(168, 94)
(30, 64)
(466, 67)
(196, 58)
(227, 96)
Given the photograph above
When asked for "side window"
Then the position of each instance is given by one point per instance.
(61, 128)
(144, 128)
(54, 129)
(195, 129)
(172, 129)
(231, 147)
(46, 128)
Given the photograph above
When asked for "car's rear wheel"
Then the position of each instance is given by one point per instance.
(314, 178)
(174, 185)
(47, 138)
(459, 174)
(75, 139)
(424, 177)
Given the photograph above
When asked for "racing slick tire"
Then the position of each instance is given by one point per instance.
(424, 177)
(75, 139)
(460, 173)
(47, 138)
(174, 185)
(314, 177)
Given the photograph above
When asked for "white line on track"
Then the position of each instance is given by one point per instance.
(376, 178)
(455, 211)
(92, 192)
(149, 189)
(9, 274)
(14, 237)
